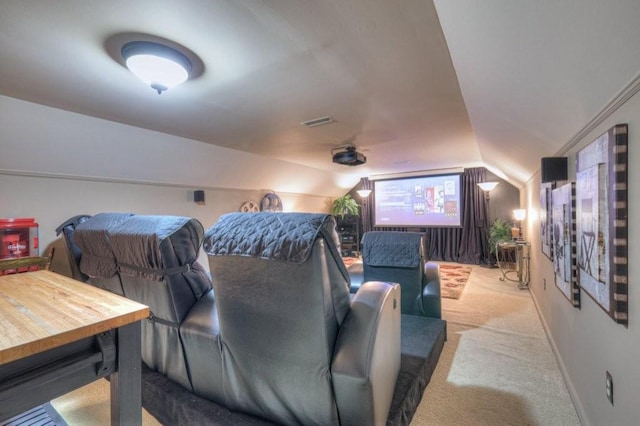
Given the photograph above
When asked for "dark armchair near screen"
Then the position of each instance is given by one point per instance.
(399, 257)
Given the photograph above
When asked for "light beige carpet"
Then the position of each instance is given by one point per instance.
(91, 406)
(453, 278)
(497, 367)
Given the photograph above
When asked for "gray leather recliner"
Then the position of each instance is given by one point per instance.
(399, 257)
(152, 260)
(295, 348)
(281, 338)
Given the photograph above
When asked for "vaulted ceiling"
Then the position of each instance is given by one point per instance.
(413, 84)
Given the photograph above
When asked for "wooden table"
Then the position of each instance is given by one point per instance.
(57, 334)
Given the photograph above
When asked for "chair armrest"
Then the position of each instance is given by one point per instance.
(366, 358)
(356, 275)
(431, 297)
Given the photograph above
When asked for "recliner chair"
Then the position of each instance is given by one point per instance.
(399, 257)
(157, 263)
(295, 349)
(281, 339)
(152, 260)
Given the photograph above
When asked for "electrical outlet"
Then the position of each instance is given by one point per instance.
(609, 384)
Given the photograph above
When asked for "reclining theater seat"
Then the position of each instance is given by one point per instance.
(156, 260)
(294, 348)
(399, 257)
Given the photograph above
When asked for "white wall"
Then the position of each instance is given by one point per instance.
(55, 164)
(49, 141)
(587, 340)
(51, 201)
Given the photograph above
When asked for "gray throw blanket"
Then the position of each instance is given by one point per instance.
(91, 236)
(151, 246)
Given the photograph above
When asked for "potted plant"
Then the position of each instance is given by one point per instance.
(345, 205)
(499, 231)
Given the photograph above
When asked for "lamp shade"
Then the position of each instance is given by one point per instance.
(160, 66)
(364, 193)
(488, 186)
(520, 214)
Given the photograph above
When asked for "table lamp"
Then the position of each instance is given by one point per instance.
(519, 215)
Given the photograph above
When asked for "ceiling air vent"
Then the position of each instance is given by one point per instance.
(317, 121)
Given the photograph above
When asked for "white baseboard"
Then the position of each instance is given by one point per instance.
(563, 370)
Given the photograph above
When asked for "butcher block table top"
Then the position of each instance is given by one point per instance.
(42, 310)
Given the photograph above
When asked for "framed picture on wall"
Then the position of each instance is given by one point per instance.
(546, 220)
(563, 235)
(601, 215)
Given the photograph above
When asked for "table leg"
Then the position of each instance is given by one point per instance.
(126, 387)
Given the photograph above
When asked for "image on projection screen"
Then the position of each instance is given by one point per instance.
(425, 201)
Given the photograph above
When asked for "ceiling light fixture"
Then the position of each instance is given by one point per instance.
(158, 65)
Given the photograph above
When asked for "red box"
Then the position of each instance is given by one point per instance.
(18, 238)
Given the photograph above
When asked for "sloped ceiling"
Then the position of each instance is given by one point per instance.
(412, 84)
(534, 74)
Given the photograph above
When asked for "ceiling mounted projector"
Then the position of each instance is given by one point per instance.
(348, 156)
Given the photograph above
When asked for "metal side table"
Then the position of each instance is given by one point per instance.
(513, 260)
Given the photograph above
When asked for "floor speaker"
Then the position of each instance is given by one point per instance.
(553, 169)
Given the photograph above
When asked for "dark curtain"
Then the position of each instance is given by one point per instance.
(443, 244)
(367, 206)
(468, 244)
(474, 241)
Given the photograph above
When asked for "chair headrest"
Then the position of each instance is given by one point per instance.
(150, 247)
(278, 236)
(392, 249)
(91, 237)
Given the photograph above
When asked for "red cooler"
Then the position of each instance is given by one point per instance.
(18, 238)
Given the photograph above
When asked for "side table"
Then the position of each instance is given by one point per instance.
(513, 260)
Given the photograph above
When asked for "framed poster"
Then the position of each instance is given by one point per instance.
(563, 211)
(545, 220)
(601, 207)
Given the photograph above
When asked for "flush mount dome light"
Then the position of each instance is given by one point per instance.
(160, 66)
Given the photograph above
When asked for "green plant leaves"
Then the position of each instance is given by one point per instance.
(345, 205)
